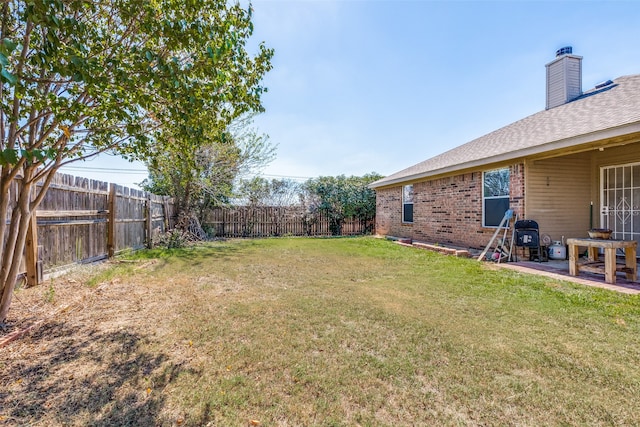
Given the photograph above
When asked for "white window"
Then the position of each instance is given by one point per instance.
(407, 203)
(495, 196)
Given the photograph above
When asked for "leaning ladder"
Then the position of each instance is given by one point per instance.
(503, 226)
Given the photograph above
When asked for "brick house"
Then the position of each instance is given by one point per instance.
(571, 167)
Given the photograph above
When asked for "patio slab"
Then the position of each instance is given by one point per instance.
(559, 269)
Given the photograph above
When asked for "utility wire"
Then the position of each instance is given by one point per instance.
(145, 172)
(96, 169)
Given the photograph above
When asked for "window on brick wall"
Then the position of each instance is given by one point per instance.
(407, 204)
(495, 196)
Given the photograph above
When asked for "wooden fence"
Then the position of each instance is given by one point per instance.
(246, 221)
(82, 220)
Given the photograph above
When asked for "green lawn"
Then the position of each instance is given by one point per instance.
(337, 332)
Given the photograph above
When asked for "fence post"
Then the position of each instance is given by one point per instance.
(34, 274)
(111, 222)
(149, 222)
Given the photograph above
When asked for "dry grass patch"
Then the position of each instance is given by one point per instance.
(321, 332)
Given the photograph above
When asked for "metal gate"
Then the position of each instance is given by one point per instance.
(620, 201)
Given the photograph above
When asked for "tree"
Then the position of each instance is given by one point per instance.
(203, 178)
(80, 78)
(342, 197)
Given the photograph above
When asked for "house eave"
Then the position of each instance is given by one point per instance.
(572, 142)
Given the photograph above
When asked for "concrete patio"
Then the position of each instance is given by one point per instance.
(559, 269)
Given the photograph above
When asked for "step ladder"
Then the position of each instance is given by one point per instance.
(501, 248)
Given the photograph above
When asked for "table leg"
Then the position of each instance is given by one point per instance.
(593, 253)
(631, 262)
(573, 260)
(610, 265)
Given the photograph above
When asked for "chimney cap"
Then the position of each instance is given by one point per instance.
(567, 50)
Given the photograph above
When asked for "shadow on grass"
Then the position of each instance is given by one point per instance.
(121, 386)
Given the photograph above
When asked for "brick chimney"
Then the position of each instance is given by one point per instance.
(564, 78)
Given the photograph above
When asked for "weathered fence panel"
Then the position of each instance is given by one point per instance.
(130, 216)
(83, 220)
(162, 215)
(72, 221)
(269, 221)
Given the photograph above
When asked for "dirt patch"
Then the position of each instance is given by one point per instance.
(84, 353)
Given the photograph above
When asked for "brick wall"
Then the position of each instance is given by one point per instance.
(389, 213)
(446, 210)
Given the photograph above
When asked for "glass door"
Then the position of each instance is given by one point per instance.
(620, 201)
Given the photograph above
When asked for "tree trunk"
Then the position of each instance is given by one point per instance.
(335, 225)
(13, 244)
(13, 250)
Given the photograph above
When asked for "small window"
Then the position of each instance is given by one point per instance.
(407, 203)
(495, 196)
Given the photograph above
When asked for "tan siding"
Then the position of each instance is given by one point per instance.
(558, 195)
(629, 153)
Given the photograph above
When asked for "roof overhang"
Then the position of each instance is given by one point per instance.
(585, 142)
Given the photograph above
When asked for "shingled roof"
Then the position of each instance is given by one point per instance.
(607, 112)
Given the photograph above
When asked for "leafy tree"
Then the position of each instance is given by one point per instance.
(203, 178)
(131, 76)
(342, 197)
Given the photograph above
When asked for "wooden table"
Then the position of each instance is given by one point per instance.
(610, 268)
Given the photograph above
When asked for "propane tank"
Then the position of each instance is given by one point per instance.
(557, 251)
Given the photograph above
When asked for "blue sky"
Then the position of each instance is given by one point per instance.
(364, 86)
